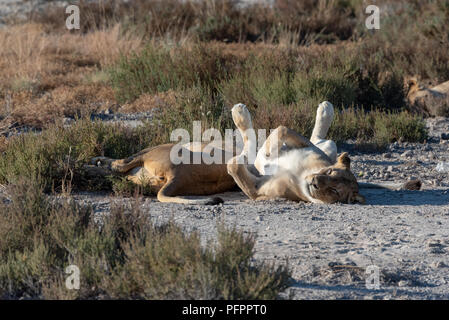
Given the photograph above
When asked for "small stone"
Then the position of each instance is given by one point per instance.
(439, 264)
(390, 169)
(259, 218)
(434, 243)
(407, 154)
(387, 155)
(445, 136)
(403, 283)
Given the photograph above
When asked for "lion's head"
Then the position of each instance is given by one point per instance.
(411, 87)
(335, 183)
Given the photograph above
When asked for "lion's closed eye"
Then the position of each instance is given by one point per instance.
(326, 171)
(335, 191)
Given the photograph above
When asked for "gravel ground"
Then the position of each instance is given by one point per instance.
(404, 233)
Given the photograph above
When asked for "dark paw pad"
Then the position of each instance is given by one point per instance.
(214, 201)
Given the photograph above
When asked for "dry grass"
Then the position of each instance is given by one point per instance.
(28, 52)
(220, 20)
(49, 73)
(22, 49)
(147, 102)
(47, 76)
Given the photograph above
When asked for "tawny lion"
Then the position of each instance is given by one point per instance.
(433, 101)
(287, 166)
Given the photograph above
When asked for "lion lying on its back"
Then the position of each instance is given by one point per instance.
(287, 166)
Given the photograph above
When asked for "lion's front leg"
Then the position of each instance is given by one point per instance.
(248, 182)
(238, 166)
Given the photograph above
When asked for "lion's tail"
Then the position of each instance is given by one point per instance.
(184, 200)
(409, 185)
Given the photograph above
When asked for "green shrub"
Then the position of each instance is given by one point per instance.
(325, 85)
(377, 127)
(263, 80)
(55, 157)
(122, 255)
(158, 69)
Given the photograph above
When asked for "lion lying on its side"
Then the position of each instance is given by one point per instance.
(303, 170)
(433, 101)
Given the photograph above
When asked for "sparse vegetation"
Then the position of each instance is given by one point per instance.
(184, 61)
(123, 255)
(255, 55)
(58, 154)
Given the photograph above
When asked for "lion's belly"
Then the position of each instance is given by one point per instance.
(295, 160)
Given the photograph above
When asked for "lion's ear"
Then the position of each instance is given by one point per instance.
(410, 81)
(359, 199)
(344, 161)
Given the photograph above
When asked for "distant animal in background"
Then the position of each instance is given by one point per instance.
(431, 101)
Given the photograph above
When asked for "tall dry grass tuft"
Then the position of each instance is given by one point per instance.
(28, 52)
(104, 46)
(46, 76)
(23, 49)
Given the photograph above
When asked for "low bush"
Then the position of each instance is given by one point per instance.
(122, 255)
(55, 157)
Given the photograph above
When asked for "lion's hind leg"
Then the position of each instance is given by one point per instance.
(323, 121)
(122, 165)
(173, 187)
(279, 141)
(324, 117)
(118, 165)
